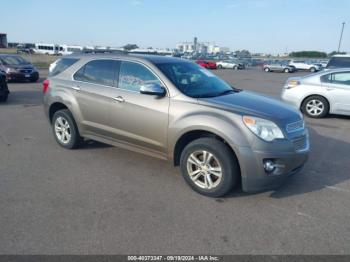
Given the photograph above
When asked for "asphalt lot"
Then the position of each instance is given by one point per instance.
(104, 200)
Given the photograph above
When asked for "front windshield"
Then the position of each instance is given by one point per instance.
(194, 81)
(13, 60)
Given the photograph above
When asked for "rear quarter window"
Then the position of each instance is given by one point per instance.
(101, 71)
(60, 65)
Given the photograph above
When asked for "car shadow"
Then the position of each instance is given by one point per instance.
(91, 144)
(344, 117)
(26, 98)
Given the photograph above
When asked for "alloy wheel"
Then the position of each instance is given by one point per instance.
(62, 130)
(204, 169)
(315, 107)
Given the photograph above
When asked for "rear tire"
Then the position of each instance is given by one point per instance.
(235, 68)
(65, 129)
(214, 168)
(219, 66)
(286, 70)
(315, 107)
(35, 79)
(312, 69)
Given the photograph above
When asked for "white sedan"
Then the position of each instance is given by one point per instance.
(228, 65)
(318, 94)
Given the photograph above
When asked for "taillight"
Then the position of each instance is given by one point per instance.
(292, 83)
(46, 84)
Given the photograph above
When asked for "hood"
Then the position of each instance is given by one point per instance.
(18, 67)
(253, 104)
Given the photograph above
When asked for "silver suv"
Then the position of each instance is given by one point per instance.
(176, 110)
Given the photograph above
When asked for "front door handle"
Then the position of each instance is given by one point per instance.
(119, 99)
(76, 88)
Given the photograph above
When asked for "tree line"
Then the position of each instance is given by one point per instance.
(313, 54)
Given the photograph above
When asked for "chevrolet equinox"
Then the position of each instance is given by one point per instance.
(173, 109)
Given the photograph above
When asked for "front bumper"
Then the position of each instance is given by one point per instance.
(291, 97)
(287, 158)
(22, 76)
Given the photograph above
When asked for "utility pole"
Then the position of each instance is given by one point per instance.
(341, 36)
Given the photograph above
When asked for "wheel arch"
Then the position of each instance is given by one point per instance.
(54, 107)
(192, 135)
(310, 95)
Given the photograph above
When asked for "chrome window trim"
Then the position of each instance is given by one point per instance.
(116, 87)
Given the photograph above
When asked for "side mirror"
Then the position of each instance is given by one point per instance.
(153, 90)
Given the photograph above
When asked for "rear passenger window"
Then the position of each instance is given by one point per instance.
(60, 65)
(342, 78)
(133, 75)
(101, 72)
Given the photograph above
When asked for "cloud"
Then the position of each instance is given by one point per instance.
(136, 2)
(246, 3)
(232, 4)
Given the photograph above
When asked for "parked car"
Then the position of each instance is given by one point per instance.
(339, 61)
(229, 64)
(324, 63)
(321, 93)
(17, 68)
(206, 64)
(25, 49)
(175, 110)
(304, 65)
(4, 91)
(278, 66)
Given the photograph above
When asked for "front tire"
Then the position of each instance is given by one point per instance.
(312, 69)
(209, 167)
(219, 66)
(65, 129)
(3, 98)
(315, 107)
(267, 70)
(286, 70)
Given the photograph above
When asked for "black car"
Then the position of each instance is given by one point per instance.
(4, 91)
(17, 68)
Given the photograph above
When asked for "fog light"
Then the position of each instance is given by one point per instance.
(269, 166)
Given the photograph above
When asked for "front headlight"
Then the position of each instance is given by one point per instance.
(11, 70)
(265, 129)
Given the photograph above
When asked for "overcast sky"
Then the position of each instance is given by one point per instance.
(257, 25)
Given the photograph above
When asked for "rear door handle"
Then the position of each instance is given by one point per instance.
(119, 99)
(76, 88)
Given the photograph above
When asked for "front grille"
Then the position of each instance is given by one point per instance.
(292, 127)
(26, 71)
(300, 143)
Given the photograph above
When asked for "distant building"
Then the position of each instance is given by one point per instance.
(185, 47)
(200, 47)
(3, 40)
